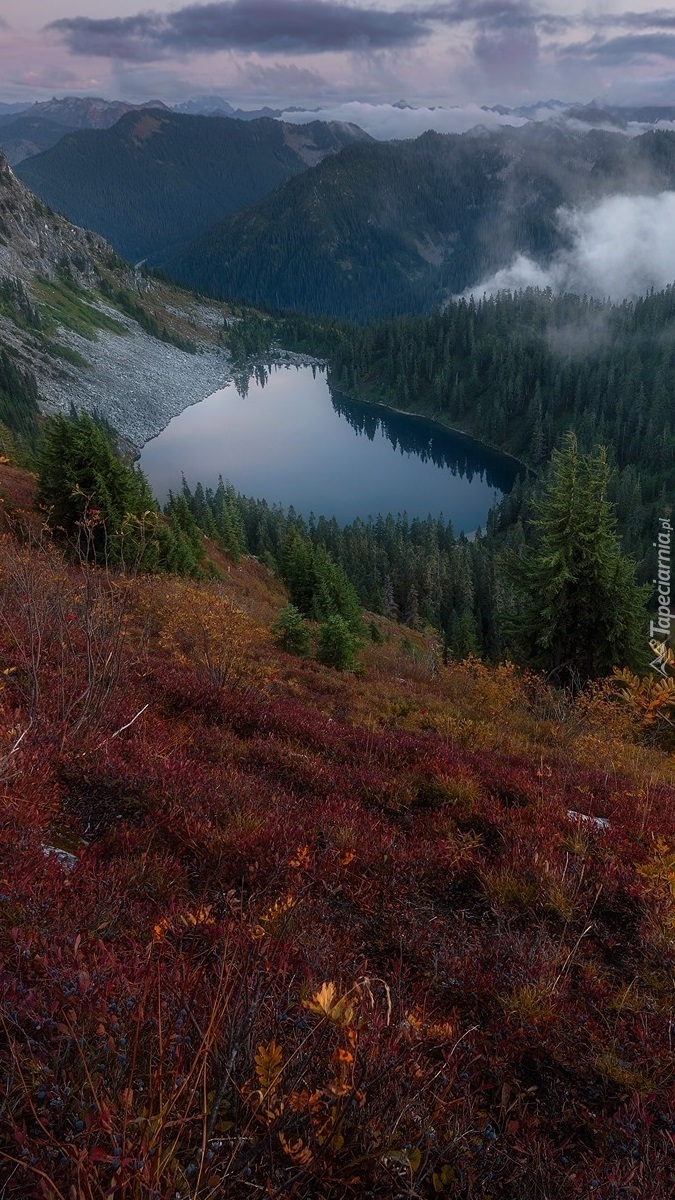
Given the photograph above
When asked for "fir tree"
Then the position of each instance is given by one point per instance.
(581, 610)
(291, 632)
(337, 644)
(106, 507)
(81, 479)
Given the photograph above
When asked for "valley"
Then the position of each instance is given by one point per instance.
(400, 227)
(337, 776)
(324, 219)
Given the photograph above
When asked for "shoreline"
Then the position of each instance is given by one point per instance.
(450, 429)
(171, 381)
(300, 359)
(404, 412)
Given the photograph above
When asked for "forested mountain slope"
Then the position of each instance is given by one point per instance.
(40, 126)
(517, 370)
(399, 226)
(27, 135)
(157, 178)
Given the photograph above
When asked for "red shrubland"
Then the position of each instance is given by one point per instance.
(319, 936)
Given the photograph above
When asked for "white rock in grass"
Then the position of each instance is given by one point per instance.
(600, 822)
(68, 861)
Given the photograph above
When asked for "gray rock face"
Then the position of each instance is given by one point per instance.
(64, 858)
(35, 241)
(137, 382)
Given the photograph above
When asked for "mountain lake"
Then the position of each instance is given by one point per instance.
(287, 438)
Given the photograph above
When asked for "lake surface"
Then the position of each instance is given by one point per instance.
(291, 440)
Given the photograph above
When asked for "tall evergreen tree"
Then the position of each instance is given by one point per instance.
(96, 500)
(81, 477)
(581, 610)
(337, 644)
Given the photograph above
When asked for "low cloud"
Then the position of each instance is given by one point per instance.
(387, 122)
(620, 248)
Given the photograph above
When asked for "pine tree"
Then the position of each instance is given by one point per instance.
(106, 507)
(581, 610)
(81, 479)
(297, 570)
(291, 632)
(337, 644)
(462, 635)
(412, 610)
(389, 604)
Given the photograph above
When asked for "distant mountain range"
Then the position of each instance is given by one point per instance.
(42, 125)
(27, 130)
(9, 109)
(390, 227)
(23, 136)
(596, 115)
(321, 217)
(216, 106)
(158, 178)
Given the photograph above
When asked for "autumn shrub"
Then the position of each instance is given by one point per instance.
(64, 632)
(200, 627)
(233, 961)
(650, 699)
(659, 873)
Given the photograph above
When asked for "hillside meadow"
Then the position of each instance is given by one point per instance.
(271, 929)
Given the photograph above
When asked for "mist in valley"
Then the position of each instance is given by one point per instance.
(619, 248)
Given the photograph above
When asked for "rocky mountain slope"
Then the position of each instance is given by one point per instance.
(159, 178)
(91, 331)
(398, 226)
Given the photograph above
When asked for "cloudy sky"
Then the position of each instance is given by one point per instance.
(327, 52)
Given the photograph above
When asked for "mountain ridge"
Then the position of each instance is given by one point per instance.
(156, 178)
(399, 226)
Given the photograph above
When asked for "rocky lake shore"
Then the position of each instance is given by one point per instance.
(137, 383)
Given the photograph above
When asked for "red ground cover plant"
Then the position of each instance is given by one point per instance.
(251, 948)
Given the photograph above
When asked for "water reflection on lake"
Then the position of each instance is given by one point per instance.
(290, 440)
